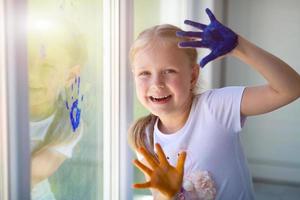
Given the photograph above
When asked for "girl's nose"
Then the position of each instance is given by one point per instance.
(158, 82)
(35, 74)
(34, 79)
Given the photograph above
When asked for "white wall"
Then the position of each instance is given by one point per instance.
(272, 140)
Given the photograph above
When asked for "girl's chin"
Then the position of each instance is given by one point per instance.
(40, 111)
(38, 101)
(160, 112)
(40, 105)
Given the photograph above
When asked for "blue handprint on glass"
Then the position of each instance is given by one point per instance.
(215, 36)
(75, 111)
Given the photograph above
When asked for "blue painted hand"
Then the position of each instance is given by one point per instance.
(75, 111)
(215, 36)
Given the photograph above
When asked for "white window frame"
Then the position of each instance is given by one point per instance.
(118, 98)
(15, 150)
(3, 113)
(126, 98)
(110, 99)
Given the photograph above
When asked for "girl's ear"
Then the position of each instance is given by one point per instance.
(195, 74)
(73, 72)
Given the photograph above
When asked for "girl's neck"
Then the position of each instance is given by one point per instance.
(171, 123)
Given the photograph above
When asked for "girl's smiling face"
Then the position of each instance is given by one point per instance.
(49, 64)
(56, 52)
(164, 78)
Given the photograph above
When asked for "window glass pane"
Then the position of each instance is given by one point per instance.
(65, 97)
(143, 18)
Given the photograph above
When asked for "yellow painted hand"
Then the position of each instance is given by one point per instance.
(164, 177)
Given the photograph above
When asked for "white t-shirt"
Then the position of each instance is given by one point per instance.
(211, 139)
(38, 131)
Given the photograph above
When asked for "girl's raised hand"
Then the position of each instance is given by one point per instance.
(162, 176)
(215, 36)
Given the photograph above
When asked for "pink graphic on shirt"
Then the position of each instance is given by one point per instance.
(201, 184)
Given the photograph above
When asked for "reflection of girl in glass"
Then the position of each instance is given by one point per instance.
(56, 54)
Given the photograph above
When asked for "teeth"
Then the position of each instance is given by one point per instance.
(159, 98)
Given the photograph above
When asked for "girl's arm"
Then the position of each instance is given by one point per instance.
(44, 164)
(283, 82)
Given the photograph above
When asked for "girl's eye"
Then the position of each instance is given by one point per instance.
(144, 73)
(168, 71)
(48, 67)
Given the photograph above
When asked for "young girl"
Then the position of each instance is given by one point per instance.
(189, 146)
(56, 53)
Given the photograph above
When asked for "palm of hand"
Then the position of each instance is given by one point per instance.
(219, 38)
(167, 179)
(215, 36)
(163, 176)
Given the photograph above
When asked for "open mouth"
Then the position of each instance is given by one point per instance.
(162, 99)
(36, 87)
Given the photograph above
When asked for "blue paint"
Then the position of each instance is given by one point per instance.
(75, 111)
(75, 115)
(215, 36)
(78, 85)
(67, 105)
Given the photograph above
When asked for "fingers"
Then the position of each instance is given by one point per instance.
(142, 185)
(199, 25)
(210, 15)
(189, 34)
(193, 44)
(181, 161)
(149, 158)
(161, 155)
(207, 59)
(195, 24)
(142, 167)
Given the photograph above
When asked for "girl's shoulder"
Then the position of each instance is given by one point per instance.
(217, 101)
(220, 93)
(223, 105)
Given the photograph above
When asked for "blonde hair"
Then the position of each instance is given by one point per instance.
(161, 34)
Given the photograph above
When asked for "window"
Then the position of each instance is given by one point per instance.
(78, 109)
(64, 48)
